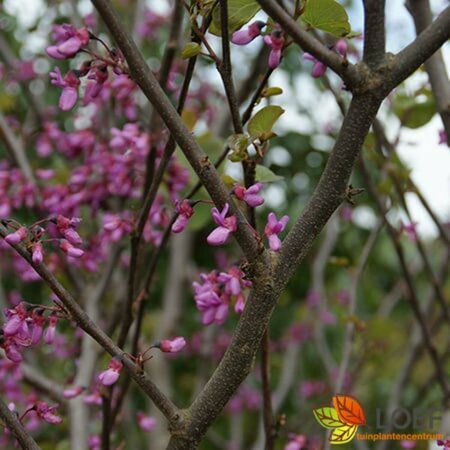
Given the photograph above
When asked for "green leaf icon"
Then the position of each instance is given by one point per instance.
(343, 434)
(328, 418)
(327, 15)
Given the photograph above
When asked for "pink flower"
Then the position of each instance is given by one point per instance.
(50, 332)
(173, 345)
(68, 248)
(109, 376)
(73, 391)
(46, 412)
(69, 85)
(319, 68)
(69, 41)
(37, 254)
(246, 35)
(276, 42)
(38, 321)
(227, 225)
(185, 212)
(410, 229)
(147, 423)
(273, 228)
(17, 237)
(209, 301)
(97, 77)
(341, 47)
(72, 236)
(249, 195)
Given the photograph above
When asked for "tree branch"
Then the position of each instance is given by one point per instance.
(13, 423)
(234, 366)
(85, 322)
(308, 43)
(331, 190)
(374, 32)
(422, 48)
(412, 295)
(421, 13)
(194, 154)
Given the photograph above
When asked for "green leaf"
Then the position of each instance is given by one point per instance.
(328, 417)
(265, 175)
(239, 13)
(191, 49)
(414, 112)
(260, 125)
(271, 91)
(238, 143)
(327, 15)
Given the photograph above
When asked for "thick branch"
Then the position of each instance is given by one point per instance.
(310, 44)
(234, 366)
(374, 32)
(195, 155)
(435, 66)
(331, 190)
(422, 48)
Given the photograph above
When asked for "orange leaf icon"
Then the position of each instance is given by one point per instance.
(349, 410)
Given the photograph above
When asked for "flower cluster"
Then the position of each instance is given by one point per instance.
(217, 291)
(274, 40)
(24, 327)
(33, 236)
(68, 43)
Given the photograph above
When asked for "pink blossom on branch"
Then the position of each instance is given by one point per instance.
(227, 225)
(69, 41)
(273, 228)
(276, 42)
(249, 195)
(185, 212)
(17, 237)
(172, 345)
(47, 413)
(69, 85)
(246, 35)
(109, 376)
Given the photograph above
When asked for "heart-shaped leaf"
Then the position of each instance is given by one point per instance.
(260, 125)
(327, 15)
(239, 13)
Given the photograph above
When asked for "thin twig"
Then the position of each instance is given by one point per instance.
(11, 421)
